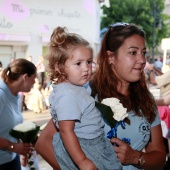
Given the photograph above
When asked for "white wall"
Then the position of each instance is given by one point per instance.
(29, 23)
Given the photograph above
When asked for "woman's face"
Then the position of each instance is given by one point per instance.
(130, 60)
(28, 82)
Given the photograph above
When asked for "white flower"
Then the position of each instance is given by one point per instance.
(120, 113)
(25, 126)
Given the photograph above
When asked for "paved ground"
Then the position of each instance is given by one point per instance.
(40, 119)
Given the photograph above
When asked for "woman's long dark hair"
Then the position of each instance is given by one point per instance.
(105, 82)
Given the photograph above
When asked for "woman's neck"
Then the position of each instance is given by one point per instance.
(123, 88)
(13, 88)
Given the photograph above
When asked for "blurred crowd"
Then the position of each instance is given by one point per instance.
(37, 99)
(160, 82)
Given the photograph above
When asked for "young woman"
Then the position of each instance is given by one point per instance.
(121, 61)
(18, 76)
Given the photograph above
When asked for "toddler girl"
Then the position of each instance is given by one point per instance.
(80, 143)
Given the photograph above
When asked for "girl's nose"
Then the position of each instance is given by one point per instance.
(86, 66)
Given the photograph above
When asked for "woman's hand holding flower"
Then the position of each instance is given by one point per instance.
(25, 132)
(119, 114)
(23, 148)
(125, 153)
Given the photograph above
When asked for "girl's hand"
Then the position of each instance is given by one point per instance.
(125, 153)
(87, 164)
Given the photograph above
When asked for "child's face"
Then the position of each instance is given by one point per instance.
(79, 66)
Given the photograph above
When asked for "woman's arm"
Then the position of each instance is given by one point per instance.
(154, 155)
(165, 101)
(155, 151)
(19, 148)
(44, 144)
(152, 77)
(157, 71)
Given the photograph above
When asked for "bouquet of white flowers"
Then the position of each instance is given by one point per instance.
(26, 132)
(113, 114)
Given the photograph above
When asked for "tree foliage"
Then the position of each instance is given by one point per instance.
(147, 14)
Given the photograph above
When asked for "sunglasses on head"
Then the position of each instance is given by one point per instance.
(121, 24)
(117, 24)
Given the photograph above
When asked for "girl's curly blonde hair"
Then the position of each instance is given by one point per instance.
(60, 48)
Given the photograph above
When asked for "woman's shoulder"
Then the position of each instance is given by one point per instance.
(2, 95)
(3, 88)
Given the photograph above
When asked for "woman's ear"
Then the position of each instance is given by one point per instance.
(25, 76)
(110, 57)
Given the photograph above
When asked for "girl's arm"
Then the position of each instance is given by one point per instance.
(72, 145)
(44, 144)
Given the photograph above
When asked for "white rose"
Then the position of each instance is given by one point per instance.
(110, 101)
(119, 111)
(25, 126)
(120, 117)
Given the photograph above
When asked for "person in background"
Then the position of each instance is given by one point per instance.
(0, 69)
(11, 59)
(168, 60)
(35, 99)
(158, 64)
(0, 65)
(162, 80)
(18, 76)
(41, 70)
(163, 101)
(164, 112)
(29, 58)
(22, 101)
(121, 61)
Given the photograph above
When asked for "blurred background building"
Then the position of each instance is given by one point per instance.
(26, 26)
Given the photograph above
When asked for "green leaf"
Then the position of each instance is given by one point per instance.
(107, 114)
(26, 137)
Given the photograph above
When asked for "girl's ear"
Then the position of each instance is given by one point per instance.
(110, 57)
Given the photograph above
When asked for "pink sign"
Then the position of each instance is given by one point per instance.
(15, 37)
(14, 10)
